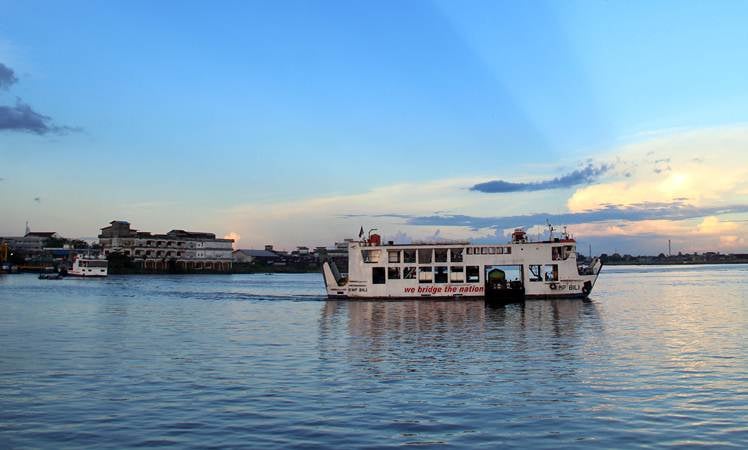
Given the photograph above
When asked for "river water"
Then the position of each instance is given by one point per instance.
(658, 357)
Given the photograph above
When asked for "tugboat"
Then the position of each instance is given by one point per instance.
(50, 276)
(515, 271)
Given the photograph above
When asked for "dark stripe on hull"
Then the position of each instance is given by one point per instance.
(458, 297)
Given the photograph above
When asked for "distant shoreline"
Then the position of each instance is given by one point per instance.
(674, 263)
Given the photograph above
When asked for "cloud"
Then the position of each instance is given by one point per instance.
(621, 206)
(38, 199)
(22, 118)
(235, 236)
(662, 165)
(640, 212)
(731, 241)
(584, 175)
(400, 238)
(681, 172)
(7, 76)
(709, 226)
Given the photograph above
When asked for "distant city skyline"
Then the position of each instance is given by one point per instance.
(297, 123)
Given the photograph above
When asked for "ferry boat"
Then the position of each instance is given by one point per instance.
(518, 270)
(89, 267)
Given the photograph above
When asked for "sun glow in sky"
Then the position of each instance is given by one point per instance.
(297, 122)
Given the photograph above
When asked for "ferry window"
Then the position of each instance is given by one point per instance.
(370, 256)
(425, 275)
(470, 250)
(491, 250)
(483, 251)
(472, 274)
(424, 256)
(457, 274)
(393, 273)
(556, 253)
(409, 273)
(456, 254)
(508, 251)
(550, 272)
(441, 275)
(440, 255)
(393, 256)
(499, 250)
(409, 256)
(535, 273)
(377, 275)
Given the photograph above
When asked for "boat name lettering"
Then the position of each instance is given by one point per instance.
(571, 287)
(442, 289)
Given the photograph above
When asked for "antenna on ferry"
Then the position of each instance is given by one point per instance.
(550, 229)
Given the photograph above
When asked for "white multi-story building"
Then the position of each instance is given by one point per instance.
(176, 250)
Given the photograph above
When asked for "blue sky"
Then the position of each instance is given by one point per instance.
(298, 122)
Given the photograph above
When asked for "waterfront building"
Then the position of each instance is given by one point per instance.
(30, 244)
(176, 250)
(337, 254)
(255, 256)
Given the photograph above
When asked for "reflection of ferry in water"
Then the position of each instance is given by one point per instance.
(513, 271)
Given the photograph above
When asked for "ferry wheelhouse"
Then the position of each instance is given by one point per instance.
(513, 271)
(89, 267)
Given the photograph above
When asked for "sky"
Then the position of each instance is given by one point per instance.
(299, 122)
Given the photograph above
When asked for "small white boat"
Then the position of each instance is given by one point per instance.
(514, 271)
(89, 267)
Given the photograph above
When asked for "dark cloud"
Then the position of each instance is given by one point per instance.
(584, 175)
(22, 118)
(677, 210)
(7, 77)
(662, 165)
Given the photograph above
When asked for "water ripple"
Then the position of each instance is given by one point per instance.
(657, 358)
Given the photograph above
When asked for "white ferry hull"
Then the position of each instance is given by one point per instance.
(89, 268)
(448, 278)
(85, 275)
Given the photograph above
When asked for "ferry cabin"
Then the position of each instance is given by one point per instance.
(540, 269)
(84, 267)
